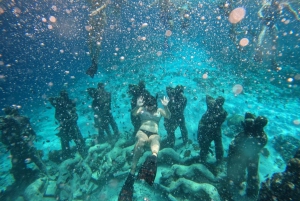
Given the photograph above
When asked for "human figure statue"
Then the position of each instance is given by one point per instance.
(136, 91)
(150, 116)
(243, 155)
(102, 109)
(65, 113)
(97, 23)
(269, 13)
(18, 136)
(283, 186)
(209, 128)
(176, 106)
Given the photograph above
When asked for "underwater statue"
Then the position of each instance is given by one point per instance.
(65, 113)
(176, 106)
(102, 109)
(283, 186)
(150, 116)
(136, 91)
(209, 128)
(18, 136)
(243, 155)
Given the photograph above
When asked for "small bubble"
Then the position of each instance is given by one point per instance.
(244, 42)
(296, 122)
(61, 51)
(52, 19)
(122, 58)
(68, 11)
(237, 15)
(205, 76)
(17, 11)
(144, 25)
(168, 33)
(1, 11)
(88, 27)
(54, 8)
(237, 89)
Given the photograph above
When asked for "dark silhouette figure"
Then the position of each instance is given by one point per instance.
(102, 108)
(283, 186)
(65, 113)
(176, 106)
(136, 91)
(209, 128)
(18, 136)
(97, 22)
(243, 154)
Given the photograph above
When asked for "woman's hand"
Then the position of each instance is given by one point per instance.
(165, 101)
(140, 101)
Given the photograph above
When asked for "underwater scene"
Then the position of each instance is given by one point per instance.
(149, 100)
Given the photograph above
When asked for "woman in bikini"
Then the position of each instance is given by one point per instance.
(150, 116)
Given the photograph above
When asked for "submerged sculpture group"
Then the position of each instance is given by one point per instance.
(78, 172)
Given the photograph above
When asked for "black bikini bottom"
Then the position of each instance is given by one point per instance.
(148, 133)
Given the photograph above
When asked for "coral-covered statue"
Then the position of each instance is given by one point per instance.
(244, 154)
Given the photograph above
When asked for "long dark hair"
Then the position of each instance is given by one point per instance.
(151, 101)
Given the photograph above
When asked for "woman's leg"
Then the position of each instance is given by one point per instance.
(154, 144)
(142, 138)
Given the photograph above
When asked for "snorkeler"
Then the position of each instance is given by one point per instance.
(97, 23)
(150, 116)
(269, 13)
(209, 128)
(176, 106)
(102, 109)
(65, 113)
(18, 136)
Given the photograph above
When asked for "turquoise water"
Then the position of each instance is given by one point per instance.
(41, 55)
